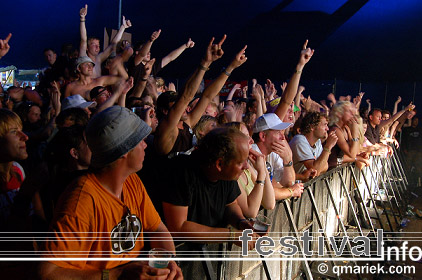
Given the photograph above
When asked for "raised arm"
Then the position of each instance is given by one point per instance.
(213, 89)
(140, 86)
(82, 29)
(396, 116)
(4, 45)
(291, 89)
(177, 52)
(106, 53)
(167, 130)
(145, 49)
(396, 105)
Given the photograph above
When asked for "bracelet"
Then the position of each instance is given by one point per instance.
(355, 139)
(227, 73)
(290, 163)
(259, 182)
(232, 234)
(297, 72)
(105, 274)
(291, 192)
(327, 150)
(144, 79)
(201, 67)
(82, 20)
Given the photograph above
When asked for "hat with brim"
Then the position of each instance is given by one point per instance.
(269, 121)
(83, 59)
(112, 133)
(77, 101)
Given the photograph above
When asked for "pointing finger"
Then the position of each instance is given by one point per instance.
(8, 38)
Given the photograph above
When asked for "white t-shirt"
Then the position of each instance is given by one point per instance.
(275, 162)
(302, 150)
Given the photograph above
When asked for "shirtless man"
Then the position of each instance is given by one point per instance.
(91, 47)
(86, 81)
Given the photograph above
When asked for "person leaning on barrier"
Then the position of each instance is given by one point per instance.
(307, 149)
(200, 199)
(268, 134)
(110, 199)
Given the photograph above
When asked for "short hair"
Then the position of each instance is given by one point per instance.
(7, 120)
(309, 121)
(78, 114)
(48, 49)
(373, 110)
(219, 143)
(337, 108)
(93, 38)
(64, 140)
(200, 125)
(384, 112)
(164, 100)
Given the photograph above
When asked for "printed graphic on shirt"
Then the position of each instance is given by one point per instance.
(124, 234)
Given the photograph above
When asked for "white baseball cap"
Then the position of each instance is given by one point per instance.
(269, 121)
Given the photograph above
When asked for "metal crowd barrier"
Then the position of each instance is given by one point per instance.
(345, 201)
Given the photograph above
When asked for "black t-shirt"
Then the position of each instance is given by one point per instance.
(373, 134)
(188, 186)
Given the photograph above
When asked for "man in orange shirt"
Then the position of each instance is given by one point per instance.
(105, 213)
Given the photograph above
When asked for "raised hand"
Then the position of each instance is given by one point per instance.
(331, 97)
(148, 68)
(305, 54)
(155, 35)
(331, 140)
(282, 148)
(214, 51)
(190, 44)
(240, 58)
(368, 101)
(4, 45)
(257, 159)
(83, 12)
(126, 23)
(398, 100)
(410, 107)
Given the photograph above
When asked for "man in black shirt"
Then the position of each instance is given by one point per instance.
(200, 199)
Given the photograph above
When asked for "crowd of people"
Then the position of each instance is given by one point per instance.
(112, 160)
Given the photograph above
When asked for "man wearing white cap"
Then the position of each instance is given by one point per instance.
(268, 134)
(86, 81)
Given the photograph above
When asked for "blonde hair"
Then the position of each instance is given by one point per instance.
(7, 120)
(338, 109)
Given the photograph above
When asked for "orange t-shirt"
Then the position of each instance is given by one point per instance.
(90, 222)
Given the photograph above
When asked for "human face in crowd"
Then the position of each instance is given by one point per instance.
(375, 118)
(102, 97)
(272, 136)
(50, 56)
(385, 117)
(289, 117)
(210, 111)
(86, 68)
(136, 156)
(415, 122)
(13, 145)
(94, 47)
(245, 131)
(321, 130)
(233, 169)
(34, 114)
(348, 114)
(365, 127)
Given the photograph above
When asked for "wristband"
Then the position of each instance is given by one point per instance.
(144, 79)
(327, 150)
(259, 182)
(290, 163)
(82, 20)
(227, 73)
(201, 67)
(297, 72)
(355, 139)
(291, 192)
(105, 274)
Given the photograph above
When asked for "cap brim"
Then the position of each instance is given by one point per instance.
(88, 104)
(282, 126)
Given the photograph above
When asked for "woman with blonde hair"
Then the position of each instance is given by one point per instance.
(255, 185)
